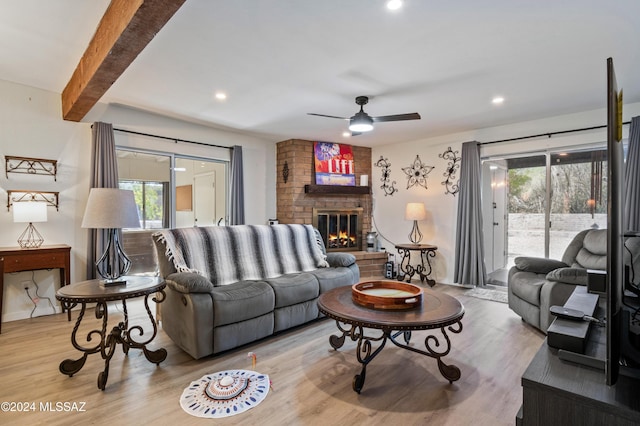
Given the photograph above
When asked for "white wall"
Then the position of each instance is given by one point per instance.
(440, 227)
(31, 126)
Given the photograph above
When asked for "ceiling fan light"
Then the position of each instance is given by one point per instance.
(361, 124)
(361, 127)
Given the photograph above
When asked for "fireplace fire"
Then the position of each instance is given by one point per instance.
(341, 229)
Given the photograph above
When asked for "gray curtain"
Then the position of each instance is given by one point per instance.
(632, 179)
(104, 174)
(469, 264)
(237, 187)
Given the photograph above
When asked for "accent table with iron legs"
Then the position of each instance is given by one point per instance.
(438, 311)
(407, 270)
(92, 292)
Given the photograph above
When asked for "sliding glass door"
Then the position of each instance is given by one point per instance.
(534, 205)
(514, 199)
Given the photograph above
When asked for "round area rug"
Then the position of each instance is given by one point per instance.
(224, 393)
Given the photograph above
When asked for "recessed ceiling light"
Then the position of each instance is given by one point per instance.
(221, 96)
(346, 134)
(394, 4)
(179, 169)
(497, 100)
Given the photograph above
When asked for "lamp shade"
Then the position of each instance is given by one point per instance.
(30, 211)
(415, 211)
(111, 208)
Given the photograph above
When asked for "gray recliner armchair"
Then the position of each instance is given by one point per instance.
(536, 284)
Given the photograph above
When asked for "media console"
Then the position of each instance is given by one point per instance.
(561, 392)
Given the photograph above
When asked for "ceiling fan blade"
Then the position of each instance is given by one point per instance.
(398, 117)
(330, 116)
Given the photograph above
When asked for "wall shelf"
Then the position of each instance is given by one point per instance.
(336, 189)
(30, 166)
(20, 195)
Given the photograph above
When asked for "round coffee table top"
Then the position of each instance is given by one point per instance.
(93, 291)
(437, 310)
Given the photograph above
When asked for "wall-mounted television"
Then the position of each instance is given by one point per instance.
(623, 296)
(615, 232)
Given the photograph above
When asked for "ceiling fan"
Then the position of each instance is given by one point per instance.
(362, 122)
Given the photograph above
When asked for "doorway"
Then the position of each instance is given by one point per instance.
(206, 181)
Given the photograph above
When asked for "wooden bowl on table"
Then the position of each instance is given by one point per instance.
(391, 295)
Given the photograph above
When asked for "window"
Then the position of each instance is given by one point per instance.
(158, 180)
(151, 199)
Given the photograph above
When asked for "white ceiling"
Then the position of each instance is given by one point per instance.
(279, 60)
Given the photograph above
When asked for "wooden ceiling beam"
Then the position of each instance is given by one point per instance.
(123, 32)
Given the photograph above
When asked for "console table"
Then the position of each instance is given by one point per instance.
(407, 270)
(16, 259)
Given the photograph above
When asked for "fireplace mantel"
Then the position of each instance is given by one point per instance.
(336, 189)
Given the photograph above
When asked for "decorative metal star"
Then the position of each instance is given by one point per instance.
(417, 173)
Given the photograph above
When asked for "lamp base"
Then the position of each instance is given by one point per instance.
(113, 282)
(30, 238)
(415, 236)
(114, 263)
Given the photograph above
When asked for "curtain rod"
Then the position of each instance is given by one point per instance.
(549, 134)
(176, 140)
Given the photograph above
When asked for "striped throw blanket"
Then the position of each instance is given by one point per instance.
(227, 254)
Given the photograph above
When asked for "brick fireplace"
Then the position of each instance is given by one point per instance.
(296, 199)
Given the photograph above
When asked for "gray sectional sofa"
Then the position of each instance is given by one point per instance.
(231, 285)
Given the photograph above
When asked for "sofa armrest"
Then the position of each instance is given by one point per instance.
(538, 265)
(336, 260)
(576, 276)
(189, 282)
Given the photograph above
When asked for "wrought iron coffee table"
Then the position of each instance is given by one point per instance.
(92, 292)
(438, 311)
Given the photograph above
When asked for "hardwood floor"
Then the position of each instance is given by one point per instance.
(311, 381)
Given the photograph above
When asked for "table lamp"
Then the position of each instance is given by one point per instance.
(415, 212)
(30, 211)
(111, 209)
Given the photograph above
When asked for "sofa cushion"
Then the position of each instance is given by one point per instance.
(576, 276)
(188, 282)
(340, 259)
(241, 301)
(596, 241)
(538, 265)
(589, 260)
(330, 278)
(294, 288)
(587, 250)
(527, 285)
